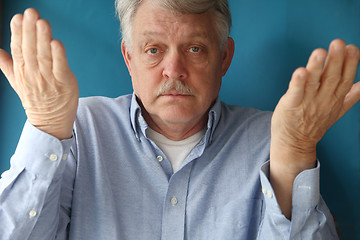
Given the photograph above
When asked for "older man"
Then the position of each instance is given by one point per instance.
(170, 161)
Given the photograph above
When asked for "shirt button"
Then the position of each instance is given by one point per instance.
(160, 158)
(174, 201)
(64, 157)
(269, 194)
(264, 190)
(32, 213)
(53, 157)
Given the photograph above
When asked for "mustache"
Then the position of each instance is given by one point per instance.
(179, 86)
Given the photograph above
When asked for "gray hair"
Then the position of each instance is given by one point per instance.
(126, 10)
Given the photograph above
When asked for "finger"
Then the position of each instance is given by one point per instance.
(296, 92)
(16, 39)
(349, 70)
(60, 67)
(333, 68)
(351, 98)
(6, 65)
(315, 67)
(29, 37)
(44, 56)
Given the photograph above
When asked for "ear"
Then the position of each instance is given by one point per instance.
(126, 54)
(227, 55)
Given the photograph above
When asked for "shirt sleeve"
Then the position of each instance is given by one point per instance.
(311, 218)
(32, 184)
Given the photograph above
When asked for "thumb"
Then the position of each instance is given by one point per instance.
(6, 66)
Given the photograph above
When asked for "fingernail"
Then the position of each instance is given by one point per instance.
(338, 48)
(29, 14)
(351, 51)
(16, 21)
(41, 27)
(320, 57)
(301, 75)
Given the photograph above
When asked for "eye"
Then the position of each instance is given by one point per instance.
(194, 49)
(152, 51)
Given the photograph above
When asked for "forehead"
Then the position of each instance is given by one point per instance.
(153, 20)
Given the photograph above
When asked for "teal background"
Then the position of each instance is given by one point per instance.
(272, 39)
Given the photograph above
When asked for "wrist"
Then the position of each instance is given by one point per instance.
(56, 127)
(290, 159)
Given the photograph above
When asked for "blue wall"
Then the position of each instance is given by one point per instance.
(272, 39)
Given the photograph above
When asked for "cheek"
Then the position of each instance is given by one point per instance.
(145, 84)
(210, 80)
(141, 87)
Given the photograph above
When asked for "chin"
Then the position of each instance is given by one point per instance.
(179, 116)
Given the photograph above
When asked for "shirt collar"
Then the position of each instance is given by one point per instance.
(139, 125)
(213, 120)
(135, 113)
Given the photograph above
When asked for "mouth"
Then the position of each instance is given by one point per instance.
(174, 89)
(174, 93)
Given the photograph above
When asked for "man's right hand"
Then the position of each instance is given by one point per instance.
(39, 73)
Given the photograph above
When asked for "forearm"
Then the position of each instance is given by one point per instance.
(283, 173)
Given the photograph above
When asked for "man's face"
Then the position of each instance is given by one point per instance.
(169, 48)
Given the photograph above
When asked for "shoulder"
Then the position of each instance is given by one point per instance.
(103, 112)
(100, 106)
(102, 118)
(244, 125)
(100, 101)
(234, 115)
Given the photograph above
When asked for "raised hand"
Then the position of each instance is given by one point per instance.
(39, 73)
(317, 97)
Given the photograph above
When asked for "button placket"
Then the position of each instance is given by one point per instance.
(175, 204)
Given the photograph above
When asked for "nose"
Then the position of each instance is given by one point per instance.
(175, 66)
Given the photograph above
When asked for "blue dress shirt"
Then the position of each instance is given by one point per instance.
(109, 181)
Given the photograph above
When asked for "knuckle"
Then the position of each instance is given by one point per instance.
(45, 72)
(16, 52)
(333, 78)
(347, 83)
(29, 50)
(44, 59)
(15, 47)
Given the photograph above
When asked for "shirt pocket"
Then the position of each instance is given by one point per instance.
(231, 220)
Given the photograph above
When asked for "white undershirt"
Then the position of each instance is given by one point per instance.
(175, 151)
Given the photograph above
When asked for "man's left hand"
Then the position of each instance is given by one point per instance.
(318, 96)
